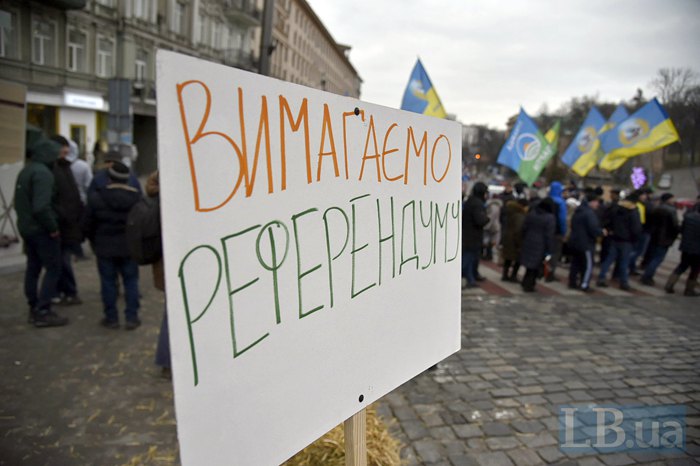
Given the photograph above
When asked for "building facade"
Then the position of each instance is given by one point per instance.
(304, 52)
(67, 51)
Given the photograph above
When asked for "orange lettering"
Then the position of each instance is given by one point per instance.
(326, 127)
(432, 158)
(376, 156)
(411, 140)
(345, 138)
(387, 152)
(201, 134)
(303, 116)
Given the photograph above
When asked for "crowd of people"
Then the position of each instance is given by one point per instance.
(60, 203)
(630, 235)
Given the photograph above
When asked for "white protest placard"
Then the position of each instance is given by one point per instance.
(312, 250)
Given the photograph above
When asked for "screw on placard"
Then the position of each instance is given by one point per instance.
(362, 398)
(357, 112)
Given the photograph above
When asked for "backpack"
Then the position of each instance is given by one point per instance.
(143, 232)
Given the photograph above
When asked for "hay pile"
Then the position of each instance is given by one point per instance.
(329, 450)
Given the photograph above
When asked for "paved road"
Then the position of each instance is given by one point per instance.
(85, 395)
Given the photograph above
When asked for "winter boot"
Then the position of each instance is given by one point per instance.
(672, 279)
(690, 288)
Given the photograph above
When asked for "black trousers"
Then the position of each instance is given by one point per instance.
(529, 279)
(581, 264)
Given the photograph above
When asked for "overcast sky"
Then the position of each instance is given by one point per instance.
(486, 58)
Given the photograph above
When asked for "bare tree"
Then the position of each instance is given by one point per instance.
(673, 85)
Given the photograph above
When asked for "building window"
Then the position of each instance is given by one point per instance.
(202, 29)
(107, 3)
(141, 64)
(178, 18)
(44, 42)
(8, 35)
(215, 35)
(144, 9)
(105, 57)
(77, 50)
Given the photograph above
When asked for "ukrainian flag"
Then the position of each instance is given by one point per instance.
(646, 130)
(420, 95)
(582, 154)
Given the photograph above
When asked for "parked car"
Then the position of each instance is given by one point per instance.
(665, 181)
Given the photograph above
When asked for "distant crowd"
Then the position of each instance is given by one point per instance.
(630, 235)
(60, 203)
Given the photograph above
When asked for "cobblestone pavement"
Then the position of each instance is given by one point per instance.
(85, 395)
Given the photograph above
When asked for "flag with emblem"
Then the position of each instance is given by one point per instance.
(583, 152)
(527, 151)
(420, 95)
(646, 130)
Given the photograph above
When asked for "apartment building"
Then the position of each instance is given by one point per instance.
(304, 52)
(67, 51)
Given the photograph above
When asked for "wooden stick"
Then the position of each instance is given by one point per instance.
(356, 440)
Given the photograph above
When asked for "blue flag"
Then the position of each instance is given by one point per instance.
(420, 95)
(582, 153)
(647, 129)
(527, 151)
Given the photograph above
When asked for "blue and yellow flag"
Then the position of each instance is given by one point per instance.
(527, 151)
(420, 95)
(648, 129)
(582, 154)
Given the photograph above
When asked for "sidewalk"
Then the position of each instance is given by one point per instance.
(85, 395)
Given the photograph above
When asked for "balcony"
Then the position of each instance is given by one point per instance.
(144, 91)
(243, 12)
(240, 59)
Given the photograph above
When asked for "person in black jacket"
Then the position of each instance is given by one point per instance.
(625, 229)
(690, 252)
(585, 229)
(605, 216)
(70, 212)
(538, 234)
(108, 208)
(664, 229)
(474, 219)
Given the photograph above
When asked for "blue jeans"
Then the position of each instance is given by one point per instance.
(110, 269)
(658, 256)
(67, 284)
(619, 251)
(163, 347)
(638, 251)
(469, 263)
(42, 252)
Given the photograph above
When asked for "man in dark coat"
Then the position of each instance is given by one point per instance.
(538, 234)
(108, 208)
(585, 229)
(605, 217)
(38, 225)
(690, 252)
(664, 229)
(625, 229)
(474, 219)
(512, 238)
(70, 211)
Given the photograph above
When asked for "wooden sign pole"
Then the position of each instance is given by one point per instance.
(356, 439)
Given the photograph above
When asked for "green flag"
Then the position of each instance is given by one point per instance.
(529, 170)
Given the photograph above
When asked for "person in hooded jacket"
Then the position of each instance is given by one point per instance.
(625, 229)
(538, 234)
(38, 225)
(70, 212)
(105, 227)
(585, 230)
(560, 213)
(82, 173)
(474, 219)
(690, 252)
(512, 238)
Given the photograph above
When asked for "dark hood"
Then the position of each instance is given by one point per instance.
(120, 197)
(44, 151)
(479, 190)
